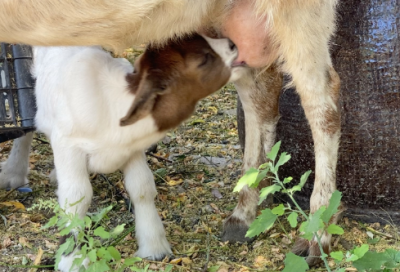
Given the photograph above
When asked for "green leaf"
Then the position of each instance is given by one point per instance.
(303, 180)
(315, 222)
(102, 233)
(91, 242)
(100, 266)
(394, 254)
(213, 268)
(294, 263)
(52, 222)
(334, 203)
(287, 180)
(371, 260)
(337, 255)
(292, 218)
(102, 214)
(274, 151)
(284, 158)
(114, 253)
(102, 253)
(373, 241)
(248, 179)
(88, 222)
(360, 251)
(92, 255)
(279, 210)
(168, 268)
(117, 230)
(265, 192)
(65, 248)
(262, 223)
(261, 175)
(161, 172)
(131, 261)
(335, 229)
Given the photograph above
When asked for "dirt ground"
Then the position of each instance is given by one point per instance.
(196, 167)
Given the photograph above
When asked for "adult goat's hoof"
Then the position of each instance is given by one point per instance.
(235, 231)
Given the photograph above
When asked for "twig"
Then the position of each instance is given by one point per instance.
(380, 233)
(13, 190)
(27, 266)
(201, 202)
(158, 157)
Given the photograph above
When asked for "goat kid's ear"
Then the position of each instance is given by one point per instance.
(146, 94)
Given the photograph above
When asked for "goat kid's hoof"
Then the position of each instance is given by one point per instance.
(309, 249)
(157, 254)
(235, 231)
(66, 262)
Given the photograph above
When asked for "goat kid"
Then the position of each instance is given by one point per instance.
(290, 36)
(100, 114)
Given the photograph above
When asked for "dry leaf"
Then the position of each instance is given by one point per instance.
(216, 193)
(15, 204)
(186, 260)
(176, 261)
(7, 242)
(50, 245)
(153, 266)
(258, 244)
(286, 241)
(260, 261)
(24, 242)
(37, 260)
(273, 235)
(31, 257)
(215, 208)
(173, 182)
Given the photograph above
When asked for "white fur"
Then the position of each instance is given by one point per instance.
(82, 94)
(15, 170)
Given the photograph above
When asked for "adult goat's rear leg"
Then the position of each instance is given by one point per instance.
(303, 37)
(259, 94)
(15, 170)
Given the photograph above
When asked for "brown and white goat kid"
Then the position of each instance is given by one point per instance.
(291, 35)
(100, 115)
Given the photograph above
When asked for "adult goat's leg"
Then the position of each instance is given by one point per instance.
(303, 37)
(259, 94)
(15, 170)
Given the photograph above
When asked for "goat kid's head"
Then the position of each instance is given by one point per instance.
(167, 82)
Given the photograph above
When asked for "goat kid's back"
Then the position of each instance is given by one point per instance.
(105, 107)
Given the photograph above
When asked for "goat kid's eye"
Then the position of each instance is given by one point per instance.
(206, 58)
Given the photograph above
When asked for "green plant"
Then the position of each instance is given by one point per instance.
(314, 225)
(91, 240)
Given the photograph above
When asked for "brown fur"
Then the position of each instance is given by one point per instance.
(169, 81)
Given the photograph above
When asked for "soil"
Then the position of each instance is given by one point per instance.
(196, 167)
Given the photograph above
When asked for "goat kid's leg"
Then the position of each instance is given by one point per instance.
(74, 189)
(303, 36)
(150, 233)
(259, 94)
(15, 170)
